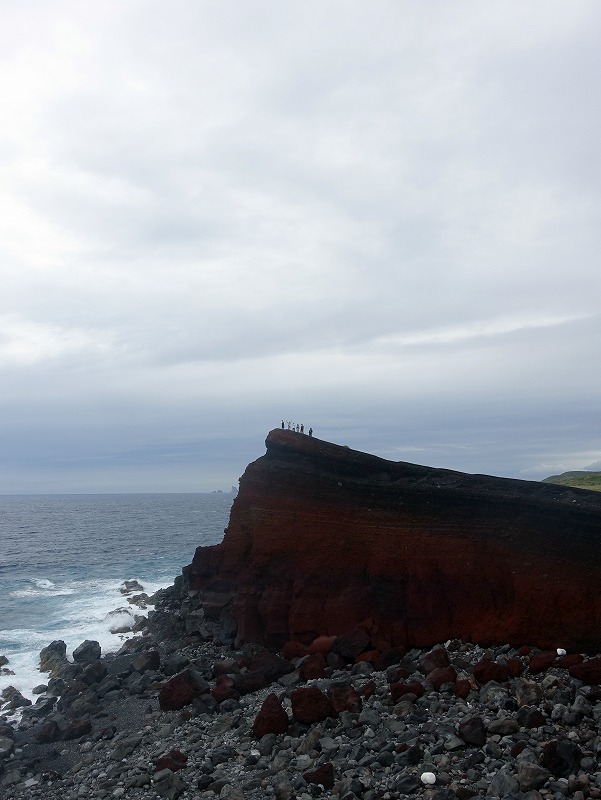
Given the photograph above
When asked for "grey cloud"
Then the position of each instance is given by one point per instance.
(215, 215)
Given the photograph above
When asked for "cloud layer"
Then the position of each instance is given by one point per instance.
(379, 220)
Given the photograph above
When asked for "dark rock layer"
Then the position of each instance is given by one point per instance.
(323, 539)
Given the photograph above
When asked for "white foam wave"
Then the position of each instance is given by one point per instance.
(84, 614)
(44, 583)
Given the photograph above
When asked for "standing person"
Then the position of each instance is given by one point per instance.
(282, 424)
(302, 428)
(310, 431)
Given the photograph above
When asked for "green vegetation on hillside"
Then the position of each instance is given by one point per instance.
(578, 479)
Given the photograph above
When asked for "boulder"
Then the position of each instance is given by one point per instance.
(485, 671)
(440, 675)
(472, 731)
(350, 644)
(588, 671)
(53, 656)
(438, 657)
(271, 718)
(181, 689)
(561, 757)
(87, 651)
(310, 704)
(314, 666)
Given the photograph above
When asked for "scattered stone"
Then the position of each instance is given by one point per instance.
(531, 776)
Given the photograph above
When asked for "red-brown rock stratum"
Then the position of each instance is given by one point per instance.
(323, 540)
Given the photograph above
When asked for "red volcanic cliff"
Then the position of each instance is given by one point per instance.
(323, 539)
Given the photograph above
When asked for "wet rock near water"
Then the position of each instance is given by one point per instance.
(179, 716)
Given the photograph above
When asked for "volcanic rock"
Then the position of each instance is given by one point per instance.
(323, 539)
(182, 689)
(271, 717)
(310, 704)
(87, 651)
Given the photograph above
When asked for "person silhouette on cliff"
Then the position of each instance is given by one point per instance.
(310, 431)
(302, 428)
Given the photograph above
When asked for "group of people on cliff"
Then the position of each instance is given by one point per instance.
(292, 426)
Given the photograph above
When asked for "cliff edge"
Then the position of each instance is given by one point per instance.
(323, 539)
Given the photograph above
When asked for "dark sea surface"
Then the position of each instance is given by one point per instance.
(63, 559)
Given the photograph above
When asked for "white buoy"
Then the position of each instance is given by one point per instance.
(428, 778)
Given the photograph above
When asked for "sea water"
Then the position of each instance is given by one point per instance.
(63, 559)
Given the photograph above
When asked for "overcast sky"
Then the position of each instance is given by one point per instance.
(381, 219)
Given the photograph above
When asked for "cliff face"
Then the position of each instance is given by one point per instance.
(323, 539)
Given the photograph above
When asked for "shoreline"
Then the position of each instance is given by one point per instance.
(177, 714)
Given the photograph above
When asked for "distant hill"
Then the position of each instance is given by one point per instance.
(578, 479)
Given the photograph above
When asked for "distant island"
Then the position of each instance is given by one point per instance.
(579, 479)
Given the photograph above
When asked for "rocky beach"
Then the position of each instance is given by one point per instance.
(179, 715)
(366, 630)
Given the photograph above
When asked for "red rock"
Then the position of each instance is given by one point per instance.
(541, 662)
(524, 650)
(322, 644)
(369, 657)
(589, 671)
(310, 704)
(456, 556)
(181, 689)
(271, 718)
(517, 748)
(314, 666)
(351, 644)
(485, 671)
(462, 688)
(397, 690)
(345, 698)
(323, 775)
(515, 667)
(472, 731)
(48, 732)
(441, 675)
(224, 689)
(565, 662)
(173, 760)
(294, 650)
(435, 658)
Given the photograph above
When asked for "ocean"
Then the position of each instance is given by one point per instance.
(63, 559)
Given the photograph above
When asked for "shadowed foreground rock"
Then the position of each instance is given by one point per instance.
(323, 540)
